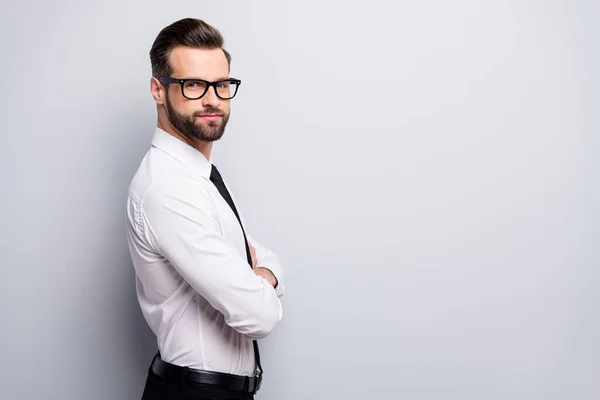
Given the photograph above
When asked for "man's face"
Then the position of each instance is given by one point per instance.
(205, 118)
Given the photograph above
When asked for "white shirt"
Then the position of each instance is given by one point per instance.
(194, 285)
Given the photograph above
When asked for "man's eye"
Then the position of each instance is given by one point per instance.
(195, 85)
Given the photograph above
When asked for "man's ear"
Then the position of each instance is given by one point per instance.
(157, 90)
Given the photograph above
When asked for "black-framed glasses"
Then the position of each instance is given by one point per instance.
(194, 89)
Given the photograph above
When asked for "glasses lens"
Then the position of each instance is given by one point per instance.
(227, 89)
(194, 89)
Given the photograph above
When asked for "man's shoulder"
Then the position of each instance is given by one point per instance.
(160, 175)
(155, 168)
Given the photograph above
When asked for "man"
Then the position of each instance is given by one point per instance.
(205, 287)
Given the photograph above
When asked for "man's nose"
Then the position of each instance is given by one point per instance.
(210, 98)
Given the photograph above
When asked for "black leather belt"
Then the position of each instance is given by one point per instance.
(177, 375)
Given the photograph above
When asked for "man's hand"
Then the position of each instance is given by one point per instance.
(261, 271)
(267, 274)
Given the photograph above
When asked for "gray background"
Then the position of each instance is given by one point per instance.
(424, 170)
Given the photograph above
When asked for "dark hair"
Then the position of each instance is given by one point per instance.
(187, 32)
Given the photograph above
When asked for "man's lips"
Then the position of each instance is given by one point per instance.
(210, 117)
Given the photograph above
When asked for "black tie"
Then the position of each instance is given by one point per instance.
(217, 180)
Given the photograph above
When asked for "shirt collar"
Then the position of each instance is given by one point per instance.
(183, 152)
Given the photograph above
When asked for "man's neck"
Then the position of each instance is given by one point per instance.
(203, 147)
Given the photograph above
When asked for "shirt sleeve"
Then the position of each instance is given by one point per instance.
(267, 259)
(185, 229)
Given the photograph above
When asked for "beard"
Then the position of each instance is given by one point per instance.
(188, 125)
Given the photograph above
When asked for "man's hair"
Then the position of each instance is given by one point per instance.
(188, 32)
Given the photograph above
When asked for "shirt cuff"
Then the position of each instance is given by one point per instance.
(275, 268)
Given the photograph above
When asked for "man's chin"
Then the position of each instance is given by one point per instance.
(212, 136)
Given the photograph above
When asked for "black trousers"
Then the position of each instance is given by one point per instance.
(158, 389)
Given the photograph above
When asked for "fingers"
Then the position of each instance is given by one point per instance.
(266, 274)
(252, 254)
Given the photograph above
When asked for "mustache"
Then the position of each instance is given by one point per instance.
(209, 111)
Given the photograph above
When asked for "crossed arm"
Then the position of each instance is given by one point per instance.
(185, 229)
